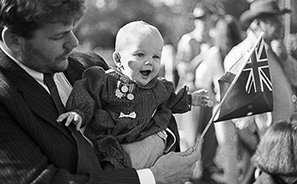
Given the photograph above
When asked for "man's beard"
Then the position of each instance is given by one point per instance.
(39, 61)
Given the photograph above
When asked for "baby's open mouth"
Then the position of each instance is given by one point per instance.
(145, 72)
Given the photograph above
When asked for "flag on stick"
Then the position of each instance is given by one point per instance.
(246, 89)
(252, 92)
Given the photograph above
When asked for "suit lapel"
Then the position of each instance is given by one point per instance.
(36, 97)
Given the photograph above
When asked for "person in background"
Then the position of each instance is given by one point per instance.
(262, 16)
(293, 45)
(168, 62)
(37, 71)
(120, 106)
(275, 157)
(226, 33)
(195, 44)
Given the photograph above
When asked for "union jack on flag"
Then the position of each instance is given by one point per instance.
(258, 78)
(252, 92)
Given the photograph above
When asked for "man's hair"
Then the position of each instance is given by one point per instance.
(24, 17)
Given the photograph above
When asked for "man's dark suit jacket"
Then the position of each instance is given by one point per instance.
(33, 147)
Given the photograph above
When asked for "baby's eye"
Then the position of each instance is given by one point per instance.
(156, 57)
(140, 55)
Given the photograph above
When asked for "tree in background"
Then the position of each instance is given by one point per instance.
(103, 18)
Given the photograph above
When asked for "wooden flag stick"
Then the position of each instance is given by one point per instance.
(216, 110)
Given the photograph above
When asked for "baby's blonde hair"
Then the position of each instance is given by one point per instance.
(134, 29)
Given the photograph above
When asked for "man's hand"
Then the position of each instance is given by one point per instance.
(176, 167)
(279, 49)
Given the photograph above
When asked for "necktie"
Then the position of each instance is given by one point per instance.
(87, 160)
(50, 83)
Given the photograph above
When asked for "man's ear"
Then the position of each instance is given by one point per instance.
(117, 59)
(12, 41)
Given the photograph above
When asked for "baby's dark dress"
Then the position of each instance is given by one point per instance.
(115, 110)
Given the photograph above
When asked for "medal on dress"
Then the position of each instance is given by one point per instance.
(118, 92)
(124, 88)
(130, 96)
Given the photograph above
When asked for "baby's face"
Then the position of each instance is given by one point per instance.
(141, 58)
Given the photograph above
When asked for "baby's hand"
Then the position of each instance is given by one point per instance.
(200, 98)
(71, 117)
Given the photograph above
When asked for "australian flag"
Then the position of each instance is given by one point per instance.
(252, 92)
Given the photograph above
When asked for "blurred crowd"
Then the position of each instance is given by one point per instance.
(203, 56)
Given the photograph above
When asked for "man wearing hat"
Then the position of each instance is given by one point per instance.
(193, 45)
(266, 16)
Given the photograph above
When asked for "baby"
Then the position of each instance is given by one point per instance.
(129, 103)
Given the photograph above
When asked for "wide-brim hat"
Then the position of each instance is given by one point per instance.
(260, 7)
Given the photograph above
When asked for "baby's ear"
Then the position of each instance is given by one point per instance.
(116, 58)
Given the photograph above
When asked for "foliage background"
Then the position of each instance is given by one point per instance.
(103, 18)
